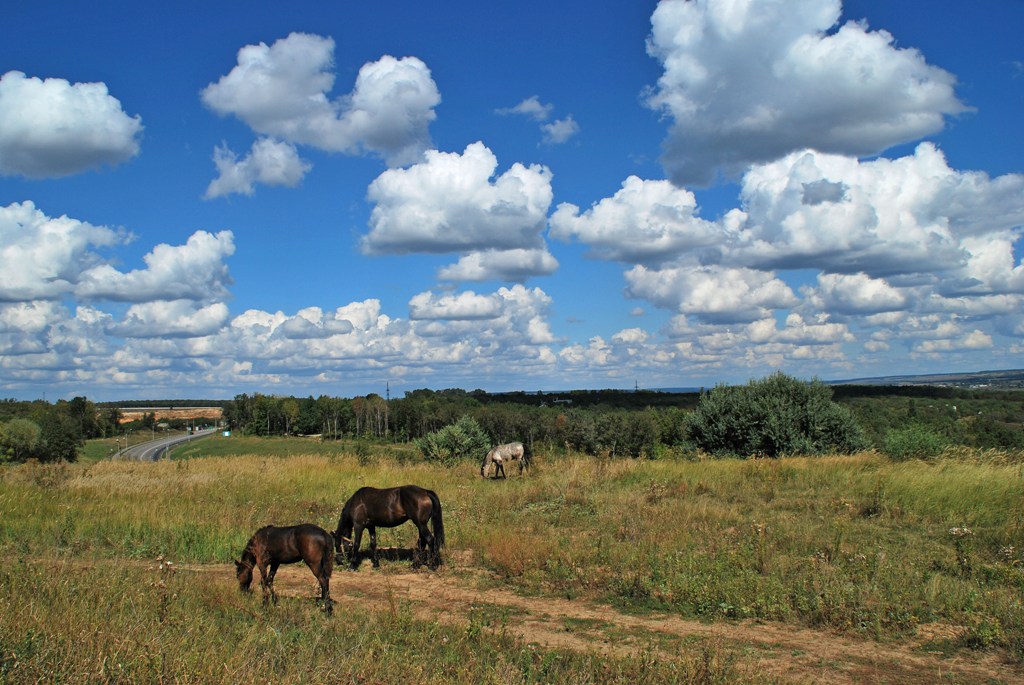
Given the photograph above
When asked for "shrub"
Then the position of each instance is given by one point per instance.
(778, 415)
(463, 439)
(916, 441)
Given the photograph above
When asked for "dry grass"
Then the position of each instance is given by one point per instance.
(856, 544)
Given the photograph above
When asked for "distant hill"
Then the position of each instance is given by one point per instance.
(996, 380)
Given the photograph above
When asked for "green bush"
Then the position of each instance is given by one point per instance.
(775, 416)
(463, 439)
(916, 441)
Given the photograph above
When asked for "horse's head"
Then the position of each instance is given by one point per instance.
(343, 535)
(243, 572)
(345, 543)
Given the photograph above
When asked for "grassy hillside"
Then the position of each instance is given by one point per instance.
(855, 545)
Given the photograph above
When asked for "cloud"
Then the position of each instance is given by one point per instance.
(560, 130)
(51, 128)
(645, 222)
(44, 257)
(448, 203)
(49, 258)
(515, 265)
(313, 323)
(974, 340)
(492, 324)
(798, 331)
(857, 294)
(464, 306)
(193, 271)
(269, 162)
(171, 318)
(282, 91)
(910, 215)
(711, 293)
(748, 82)
(531, 107)
(554, 133)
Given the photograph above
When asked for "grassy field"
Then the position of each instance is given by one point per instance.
(855, 546)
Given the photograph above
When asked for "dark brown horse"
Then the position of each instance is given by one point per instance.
(387, 508)
(270, 546)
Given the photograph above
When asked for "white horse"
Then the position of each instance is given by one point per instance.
(512, 451)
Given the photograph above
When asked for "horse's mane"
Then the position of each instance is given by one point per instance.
(249, 553)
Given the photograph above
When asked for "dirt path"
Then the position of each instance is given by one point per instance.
(790, 653)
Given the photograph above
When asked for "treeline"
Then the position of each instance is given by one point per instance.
(649, 423)
(51, 432)
(756, 419)
(623, 432)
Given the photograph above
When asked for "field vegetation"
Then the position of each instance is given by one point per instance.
(895, 552)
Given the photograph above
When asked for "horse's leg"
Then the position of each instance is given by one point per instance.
(325, 593)
(357, 537)
(261, 564)
(373, 546)
(421, 544)
(324, 579)
(425, 542)
(501, 467)
(270, 580)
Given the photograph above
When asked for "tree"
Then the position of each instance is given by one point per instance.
(775, 416)
(59, 439)
(463, 439)
(19, 439)
(289, 408)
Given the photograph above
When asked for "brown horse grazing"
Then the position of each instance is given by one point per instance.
(512, 451)
(270, 546)
(390, 507)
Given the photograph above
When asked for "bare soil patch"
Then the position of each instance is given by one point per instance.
(456, 595)
(213, 413)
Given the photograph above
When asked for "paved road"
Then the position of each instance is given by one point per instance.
(154, 449)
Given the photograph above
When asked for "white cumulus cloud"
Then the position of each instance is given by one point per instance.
(711, 293)
(269, 162)
(644, 222)
(282, 90)
(51, 128)
(45, 257)
(193, 271)
(515, 265)
(560, 130)
(747, 82)
(857, 294)
(449, 203)
(908, 215)
(171, 318)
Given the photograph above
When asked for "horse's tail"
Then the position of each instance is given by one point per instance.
(327, 560)
(436, 518)
(527, 455)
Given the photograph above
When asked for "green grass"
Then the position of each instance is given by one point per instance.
(139, 624)
(859, 545)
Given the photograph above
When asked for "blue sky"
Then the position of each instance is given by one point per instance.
(199, 200)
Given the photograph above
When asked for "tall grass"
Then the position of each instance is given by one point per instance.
(856, 544)
(138, 624)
